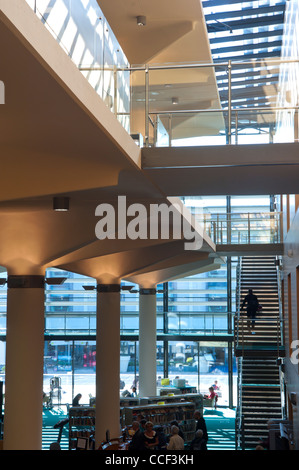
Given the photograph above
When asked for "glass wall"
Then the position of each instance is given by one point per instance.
(199, 306)
(71, 366)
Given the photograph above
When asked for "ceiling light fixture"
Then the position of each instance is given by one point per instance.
(141, 20)
(175, 100)
(61, 203)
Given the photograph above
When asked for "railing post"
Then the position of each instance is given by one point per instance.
(169, 130)
(115, 90)
(156, 131)
(229, 130)
(146, 106)
(296, 126)
(248, 228)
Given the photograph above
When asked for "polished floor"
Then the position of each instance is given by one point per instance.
(220, 424)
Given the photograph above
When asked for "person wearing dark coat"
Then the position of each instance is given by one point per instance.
(77, 399)
(198, 443)
(137, 442)
(252, 306)
(201, 424)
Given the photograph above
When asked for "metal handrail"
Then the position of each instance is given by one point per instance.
(238, 297)
(242, 223)
(221, 110)
(192, 65)
(280, 320)
(239, 416)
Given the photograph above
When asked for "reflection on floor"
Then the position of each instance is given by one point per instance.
(221, 428)
(51, 417)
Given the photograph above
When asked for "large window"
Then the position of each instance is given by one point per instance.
(200, 364)
(72, 365)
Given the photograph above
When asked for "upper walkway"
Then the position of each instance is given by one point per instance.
(237, 234)
(196, 122)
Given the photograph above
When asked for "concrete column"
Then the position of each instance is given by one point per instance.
(147, 342)
(24, 363)
(108, 362)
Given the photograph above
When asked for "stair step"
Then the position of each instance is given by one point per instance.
(260, 375)
(258, 409)
(265, 415)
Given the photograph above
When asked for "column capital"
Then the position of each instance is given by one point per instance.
(147, 291)
(25, 281)
(106, 288)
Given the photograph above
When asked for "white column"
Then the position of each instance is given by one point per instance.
(24, 363)
(147, 342)
(107, 362)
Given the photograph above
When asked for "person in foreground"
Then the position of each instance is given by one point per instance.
(175, 441)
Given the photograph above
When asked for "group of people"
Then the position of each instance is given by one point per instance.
(149, 437)
(153, 438)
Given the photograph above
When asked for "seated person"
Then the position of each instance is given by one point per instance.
(212, 394)
(198, 443)
(150, 436)
(137, 442)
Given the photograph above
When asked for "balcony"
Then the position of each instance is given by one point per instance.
(248, 100)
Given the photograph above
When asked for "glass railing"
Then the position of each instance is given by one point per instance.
(84, 34)
(243, 228)
(182, 322)
(197, 323)
(182, 104)
(211, 104)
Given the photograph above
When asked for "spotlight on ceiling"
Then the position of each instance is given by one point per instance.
(61, 203)
(175, 100)
(141, 20)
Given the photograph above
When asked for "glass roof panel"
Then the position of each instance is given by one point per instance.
(249, 32)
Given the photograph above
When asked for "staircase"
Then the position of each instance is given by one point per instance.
(259, 392)
(259, 274)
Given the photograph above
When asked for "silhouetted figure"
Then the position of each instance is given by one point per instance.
(201, 424)
(252, 306)
(77, 399)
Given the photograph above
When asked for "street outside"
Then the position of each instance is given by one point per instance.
(84, 383)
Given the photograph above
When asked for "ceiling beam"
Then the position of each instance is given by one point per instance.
(248, 12)
(216, 3)
(245, 57)
(247, 37)
(247, 47)
(246, 23)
